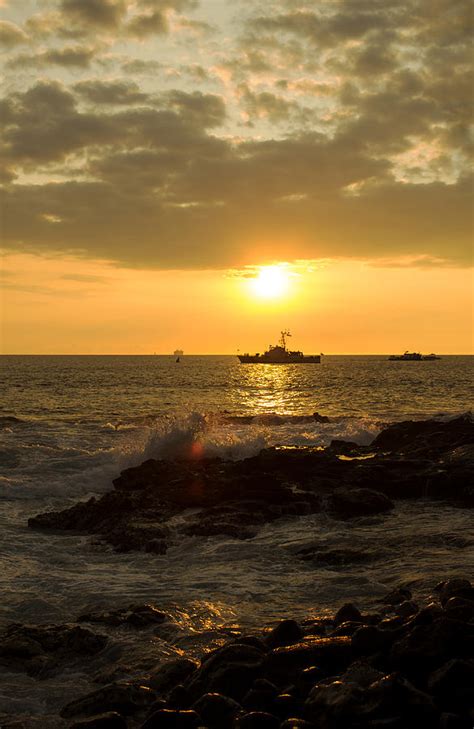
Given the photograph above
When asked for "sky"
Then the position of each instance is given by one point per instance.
(204, 173)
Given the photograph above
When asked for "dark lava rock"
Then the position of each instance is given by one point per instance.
(109, 720)
(230, 670)
(348, 503)
(397, 596)
(40, 648)
(169, 719)
(460, 609)
(407, 608)
(369, 639)
(321, 418)
(125, 698)
(341, 704)
(426, 437)
(139, 616)
(455, 587)
(217, 711)
(285, 633)
(178, 698)
(258, 720)
(171, 673)
(428, 646)
(348, 613)
(453, 684)
(408, 460)
(330, 654)
(454, 721)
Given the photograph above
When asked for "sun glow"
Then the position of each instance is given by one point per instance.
(271, 282)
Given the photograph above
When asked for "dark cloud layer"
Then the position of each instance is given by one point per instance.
(339, 129)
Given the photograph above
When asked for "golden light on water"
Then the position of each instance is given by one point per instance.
(271, 282)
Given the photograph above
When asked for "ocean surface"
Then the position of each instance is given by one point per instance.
(69, 424)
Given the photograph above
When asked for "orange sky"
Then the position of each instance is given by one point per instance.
(155, 153)
(62, 305)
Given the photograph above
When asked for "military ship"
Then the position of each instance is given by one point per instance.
(279, 354)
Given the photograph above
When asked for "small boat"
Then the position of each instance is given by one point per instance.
(279, 354)
(412, 357)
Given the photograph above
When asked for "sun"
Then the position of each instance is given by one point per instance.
(271, 282)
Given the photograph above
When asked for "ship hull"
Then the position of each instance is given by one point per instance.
(253, 359)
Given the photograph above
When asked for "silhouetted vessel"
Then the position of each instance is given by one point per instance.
(279, 354)
(412, 357)
(178, 352)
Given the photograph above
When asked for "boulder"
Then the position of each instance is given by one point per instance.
(217, 711)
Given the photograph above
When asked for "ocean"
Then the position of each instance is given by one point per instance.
(70, 424)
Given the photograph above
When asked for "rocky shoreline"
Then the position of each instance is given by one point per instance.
(404, 666)
(156, 503)
(401, 664)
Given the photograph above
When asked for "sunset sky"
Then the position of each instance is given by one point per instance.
(158, 156)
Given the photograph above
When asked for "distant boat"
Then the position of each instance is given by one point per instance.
(412, 357)
(279, 354)
(178, 352)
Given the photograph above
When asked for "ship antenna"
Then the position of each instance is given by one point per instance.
(284, 334)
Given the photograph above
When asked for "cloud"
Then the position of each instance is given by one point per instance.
(69, 57)
(95, 13)
(322, 130)
(110, 92)
(11, 35)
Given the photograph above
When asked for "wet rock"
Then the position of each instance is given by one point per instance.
(40, 648)
(139, 616)
(285, 633)
(125, 698)
(453, 684)
(258, 720)
(179, 698)
(460, 609)
(407, 460)
(427, 437)
(428, 646)
(368, 640)
(109, 720)
(170, 674)
(329, 654)
(428, 614)
(397, 596)
(334, 704)
(230, 670)
(170, 719)
(217, 711)
(455, 587)
(321, 418)
(295, 723)
(361, 673)
(406, 609)
(348, 612)
(454, 721)
(349, 503)
(287, 705)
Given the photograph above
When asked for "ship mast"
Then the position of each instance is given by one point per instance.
(283, 336)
